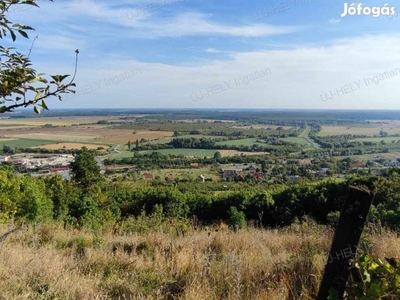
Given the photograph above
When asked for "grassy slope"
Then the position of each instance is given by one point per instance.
(46, 263)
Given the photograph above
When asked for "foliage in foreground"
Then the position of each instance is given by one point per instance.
(89, 200)
(20, 84)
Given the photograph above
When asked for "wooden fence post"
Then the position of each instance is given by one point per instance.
(345, 242)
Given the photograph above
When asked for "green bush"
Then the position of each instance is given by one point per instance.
(374, 279)
(237, 218)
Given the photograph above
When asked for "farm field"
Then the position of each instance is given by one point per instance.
(192, 173)
(186, 152)
(244, 142)
(25, 143)
(297, 140)
(160, 141)
(55, 121)
(235, 152)
(202, 152)
(366, 157)
(371, 129)
(81, 134)
(167, 140)
(266, 127)
(72, 146)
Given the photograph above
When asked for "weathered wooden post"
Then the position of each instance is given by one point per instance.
(345, 241)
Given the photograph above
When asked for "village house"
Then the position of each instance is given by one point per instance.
(358, 164)
(240, 167)
(201, 178)
(252, 168)
(394, 163)
(376, 172)
(4, 158)
(229, 174)
(240, 178)
(148, 176)
(170, 177)
(259, 176)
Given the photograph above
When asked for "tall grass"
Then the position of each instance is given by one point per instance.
(49, 262)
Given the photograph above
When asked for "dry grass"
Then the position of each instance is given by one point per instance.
(71, 146)
(82, 134)
(51, 263)
(391, 127)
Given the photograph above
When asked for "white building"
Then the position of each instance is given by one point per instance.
(4, 158)
(201, 178)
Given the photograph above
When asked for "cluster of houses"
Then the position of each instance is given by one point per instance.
(239, 172)
(39, 160)
(170, 177)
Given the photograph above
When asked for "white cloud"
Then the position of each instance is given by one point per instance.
(145, 25)
(188, 24)
(298, 77)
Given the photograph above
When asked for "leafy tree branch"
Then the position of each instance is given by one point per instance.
(20, 84)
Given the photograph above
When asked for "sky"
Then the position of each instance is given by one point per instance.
(286, 54)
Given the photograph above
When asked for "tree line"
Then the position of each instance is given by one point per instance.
(91, 200)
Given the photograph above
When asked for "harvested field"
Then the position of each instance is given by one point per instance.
(367, 129)
(272, 127)
(25, 143)
(88, 134)
(71, 146)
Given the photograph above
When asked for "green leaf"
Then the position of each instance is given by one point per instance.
(44, 105)
(13, 36)
(23, 33)
(62, 77)
(37, 110)
(37, 96)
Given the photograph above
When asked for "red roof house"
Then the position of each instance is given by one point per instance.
(148, 176)
(259, 176)
(170, 177)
